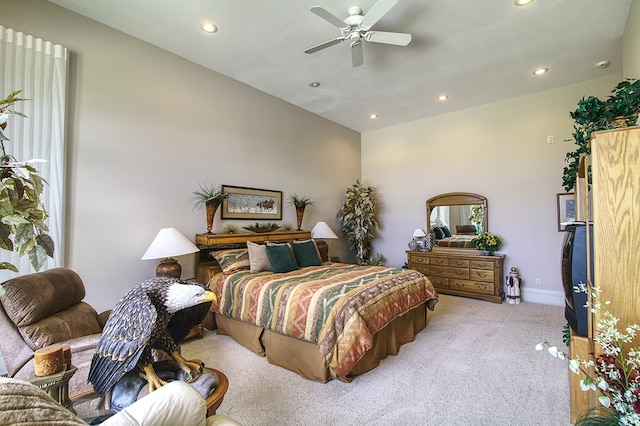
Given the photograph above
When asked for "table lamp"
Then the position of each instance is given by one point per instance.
(319, 231)
(419, 234)
(169, 242)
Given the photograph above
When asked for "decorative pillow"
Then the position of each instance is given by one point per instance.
(232, 260)
(258, 259)
(281, 258)
(306, 253)
(439, 232)
(447, 232)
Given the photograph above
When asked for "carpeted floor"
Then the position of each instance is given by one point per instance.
(474, 364)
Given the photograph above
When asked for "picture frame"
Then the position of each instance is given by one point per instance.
(251, 203)
(566, 209)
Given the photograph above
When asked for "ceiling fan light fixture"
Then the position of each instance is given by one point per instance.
(522, 2)
(208, 27)
(540, 71)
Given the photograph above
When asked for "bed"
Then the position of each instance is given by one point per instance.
(458, 241)
(323, 320)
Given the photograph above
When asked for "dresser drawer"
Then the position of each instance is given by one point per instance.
(423, 269)
(482, 264)
(447, 271)
(471, 286)
(459, 263)
(482, 275)
(416, 259)
(442, 261)
(439, 282)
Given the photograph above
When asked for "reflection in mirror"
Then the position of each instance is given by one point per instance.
(461, 220)
(456, 218)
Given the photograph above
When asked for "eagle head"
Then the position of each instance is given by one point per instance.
(182, 295)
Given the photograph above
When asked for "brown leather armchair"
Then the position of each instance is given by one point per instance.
(45, 308)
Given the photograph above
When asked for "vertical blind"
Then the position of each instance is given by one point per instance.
(39, 69)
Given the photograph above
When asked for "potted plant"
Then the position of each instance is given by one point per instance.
(211, 197)
(300, 203)
(620, 109)
(487, 243)
(22, 210)
(358, 221)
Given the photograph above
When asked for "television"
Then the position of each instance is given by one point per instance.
(574, 272)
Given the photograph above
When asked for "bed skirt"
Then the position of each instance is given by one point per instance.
(304, 358)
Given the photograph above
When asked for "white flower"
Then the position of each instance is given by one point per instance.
(604, 400)
(574, 366)
(587, 384)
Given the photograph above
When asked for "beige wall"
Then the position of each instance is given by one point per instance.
(630, 42)
(145, 127)
(499, 150)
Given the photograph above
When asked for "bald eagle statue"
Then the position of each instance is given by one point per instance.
(156, 314)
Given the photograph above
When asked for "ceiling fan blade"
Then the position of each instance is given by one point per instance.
(377, 11)
(328, 16)
(399, 39)
(324, 45)
(357, 57)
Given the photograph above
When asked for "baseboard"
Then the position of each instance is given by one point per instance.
(546, 297)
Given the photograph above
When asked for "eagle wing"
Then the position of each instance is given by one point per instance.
(123, 341)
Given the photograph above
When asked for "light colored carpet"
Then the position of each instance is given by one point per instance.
(474, 364)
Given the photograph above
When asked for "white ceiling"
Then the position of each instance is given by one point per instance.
(476, 51)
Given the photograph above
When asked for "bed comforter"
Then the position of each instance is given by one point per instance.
(336, 306)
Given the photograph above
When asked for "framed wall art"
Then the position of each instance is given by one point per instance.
(566, 209)
(251, 203)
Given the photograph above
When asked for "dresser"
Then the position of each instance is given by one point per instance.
(461, 274)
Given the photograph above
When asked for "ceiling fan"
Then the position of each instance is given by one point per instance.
(357, 27)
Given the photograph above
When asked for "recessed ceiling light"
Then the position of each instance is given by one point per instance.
(208, 27)
(314, 84)
(522, 2)
(373, 116)
(442, 97)
(540, 71)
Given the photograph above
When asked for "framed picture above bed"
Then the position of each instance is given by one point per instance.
(566, 209)
(251, 203)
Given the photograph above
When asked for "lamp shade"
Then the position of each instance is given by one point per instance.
(322, 230)
(169, 242)
(419, 233)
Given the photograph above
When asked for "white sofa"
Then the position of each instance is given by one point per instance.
(176, 403)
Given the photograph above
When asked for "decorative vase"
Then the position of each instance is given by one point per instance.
(299, 215)
(413, 245)
(211, 207)
(487, 253)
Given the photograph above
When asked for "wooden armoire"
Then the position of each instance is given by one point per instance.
(612, 202)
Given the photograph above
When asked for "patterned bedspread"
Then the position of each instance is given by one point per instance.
(463, 241)
(336, 306)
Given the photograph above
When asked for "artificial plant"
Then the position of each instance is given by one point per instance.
(620, 109)
(23, 215)
(357, 218)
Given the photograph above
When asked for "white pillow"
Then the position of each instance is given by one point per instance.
(258, 259)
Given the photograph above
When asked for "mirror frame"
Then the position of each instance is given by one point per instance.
(458, 199)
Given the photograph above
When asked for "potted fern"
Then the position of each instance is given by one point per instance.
(300, 203)
(211, 197)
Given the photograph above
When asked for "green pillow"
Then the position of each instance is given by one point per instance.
(281, 258)
(306, 253)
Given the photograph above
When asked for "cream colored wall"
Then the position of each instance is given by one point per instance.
(499, 150)
(145, 127)
(630, 42)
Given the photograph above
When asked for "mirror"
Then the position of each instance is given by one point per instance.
(462, 214)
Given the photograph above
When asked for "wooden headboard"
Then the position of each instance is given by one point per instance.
(206, 265)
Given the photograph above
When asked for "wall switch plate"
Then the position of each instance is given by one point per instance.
(538, 282)
(550, 139)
